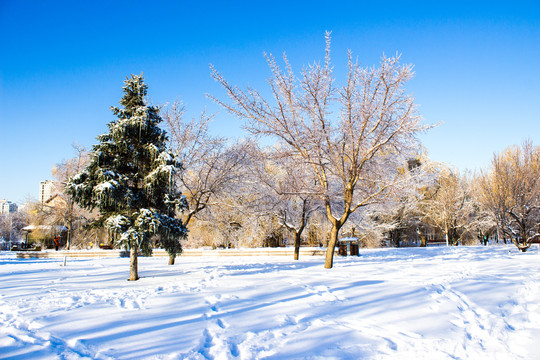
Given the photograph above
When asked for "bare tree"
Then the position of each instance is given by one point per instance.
(510, 190)
(65, 211)
(448, 204)
(11, 225)
(285, 189)
(400, 215)
(354, 137)
(232, 224)
(210, 164)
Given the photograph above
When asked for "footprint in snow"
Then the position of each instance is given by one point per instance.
(222, 324)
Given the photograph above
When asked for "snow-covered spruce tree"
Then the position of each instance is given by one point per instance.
(130, 179)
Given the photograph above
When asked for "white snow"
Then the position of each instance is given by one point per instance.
(413, 303)
(106, 186)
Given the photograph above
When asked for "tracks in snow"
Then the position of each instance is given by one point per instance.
(215, 344)
(19, 336)
(483, 331)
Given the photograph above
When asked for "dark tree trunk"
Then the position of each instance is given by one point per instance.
(296, 245)
(133, 264)
(171, 259)
(522, 246)
(423, 242)
(396, 237)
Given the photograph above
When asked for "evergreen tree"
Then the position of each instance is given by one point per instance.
(130, 179)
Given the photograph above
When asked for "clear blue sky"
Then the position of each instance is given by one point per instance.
(63, 63)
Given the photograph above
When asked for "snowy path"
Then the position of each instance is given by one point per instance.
(434, 303)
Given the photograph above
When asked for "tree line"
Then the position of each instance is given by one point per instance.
(345, 159)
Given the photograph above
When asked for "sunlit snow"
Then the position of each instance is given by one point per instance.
(412, 303)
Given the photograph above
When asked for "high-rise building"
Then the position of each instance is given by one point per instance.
(46, 191)
(7, 207)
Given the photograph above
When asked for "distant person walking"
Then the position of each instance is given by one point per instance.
(56, 241)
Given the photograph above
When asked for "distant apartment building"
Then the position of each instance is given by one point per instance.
(7, 207)
(24, 207)
(46, 191)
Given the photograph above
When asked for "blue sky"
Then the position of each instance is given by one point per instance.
(63, 63)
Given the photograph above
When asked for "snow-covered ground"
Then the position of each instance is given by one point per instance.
(415, 303)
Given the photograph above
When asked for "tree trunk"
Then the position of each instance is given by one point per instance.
(133, 265)
(297, 245)
(523, 247)
(329, 260)
(397, 239)
(69, 234)
(171, 259)
(446, 234)
(70, 224)
(423, 242)
(68, 237)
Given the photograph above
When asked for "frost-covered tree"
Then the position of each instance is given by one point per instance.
(448, 205)
(65, 211)
(510, 191)
(11, 225)
(353, 136)
(212, 167)
(130, 179)
(284, 190)
(399, 215)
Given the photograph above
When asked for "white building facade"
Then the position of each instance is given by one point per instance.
(46, 191)
(7, 207)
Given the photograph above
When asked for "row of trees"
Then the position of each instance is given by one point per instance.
(345, 158)
(445, 205)
(510, 193)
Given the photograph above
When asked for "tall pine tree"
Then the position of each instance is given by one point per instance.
(130, 179)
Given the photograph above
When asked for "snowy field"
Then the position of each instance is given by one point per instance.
(415, 303)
